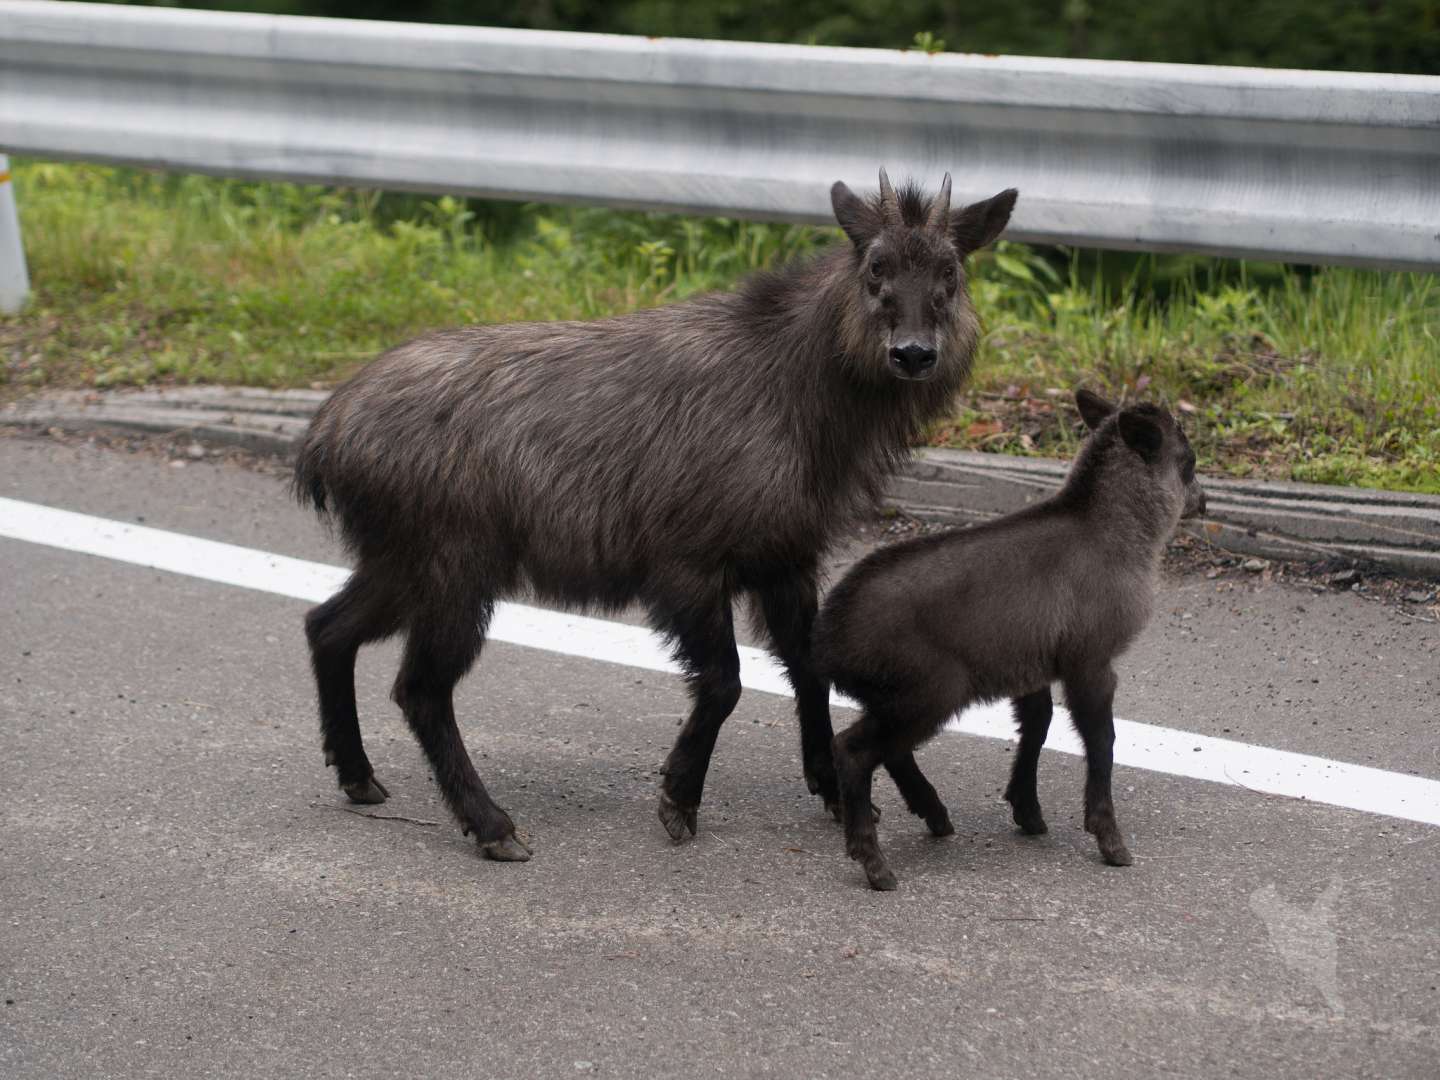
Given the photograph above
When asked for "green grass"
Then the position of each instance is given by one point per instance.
(143, 278)
(1328, 376)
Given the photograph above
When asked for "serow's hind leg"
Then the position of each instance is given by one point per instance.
(1032, 714)
(788, 609)
(437, 654)
(919, 794)
(361, 612)
(705, 646)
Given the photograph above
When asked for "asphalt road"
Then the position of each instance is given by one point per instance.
(184, 892)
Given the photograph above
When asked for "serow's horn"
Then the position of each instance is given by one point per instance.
(939, 220)
(889, 204)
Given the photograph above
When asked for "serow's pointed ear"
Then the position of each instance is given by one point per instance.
(974, 226)
(1093, 408)
(855, 215)
(1142, 434)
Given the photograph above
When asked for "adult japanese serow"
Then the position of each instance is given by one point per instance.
(678, 457)
(1054, 593)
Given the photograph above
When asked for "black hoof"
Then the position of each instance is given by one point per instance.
(939, 824)
(1107, 835)
(1031, 824)
(822, 782)
(825, 786)
(676, 818)
(1116, 854)
(1028, 818)
(879, 875)
(507, 849)
(368, 792)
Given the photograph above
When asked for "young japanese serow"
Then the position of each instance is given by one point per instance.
(677, 458)
(1054, 593)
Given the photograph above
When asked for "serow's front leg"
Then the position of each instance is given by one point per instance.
(1091, 699)
(705, 645)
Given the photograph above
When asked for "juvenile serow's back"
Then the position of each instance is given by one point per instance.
(675, 458)
(1054, 593)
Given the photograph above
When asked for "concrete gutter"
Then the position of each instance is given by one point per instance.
(1309, 522)
(263, 421)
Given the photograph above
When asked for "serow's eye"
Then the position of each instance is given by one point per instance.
(877, 268)
(949, 275)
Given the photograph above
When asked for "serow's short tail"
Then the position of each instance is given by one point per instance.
(308, 484)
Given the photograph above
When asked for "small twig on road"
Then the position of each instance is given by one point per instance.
(377, 817)
(1420, 840)
(1374, 599)
(1272, 794)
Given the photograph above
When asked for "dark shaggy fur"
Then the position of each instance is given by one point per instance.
(676, 457)
(922, 629)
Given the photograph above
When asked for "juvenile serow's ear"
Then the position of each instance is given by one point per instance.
(1142, 434)
(855, 215)
(1094, 409)
(974, 226)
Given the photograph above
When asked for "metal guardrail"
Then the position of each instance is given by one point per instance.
(1298, 165)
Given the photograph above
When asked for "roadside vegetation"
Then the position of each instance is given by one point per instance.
(1326, 375)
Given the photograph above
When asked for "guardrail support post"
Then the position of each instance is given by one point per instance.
(14, 278)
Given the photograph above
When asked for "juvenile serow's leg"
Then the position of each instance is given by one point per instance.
(920, 796)
(438, 652)
(705, 647)
(1091, 699)
(858, 750)
(361, 612)
(1032, 714)
(788, 609)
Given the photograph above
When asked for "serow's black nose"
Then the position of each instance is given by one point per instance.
(913, 360)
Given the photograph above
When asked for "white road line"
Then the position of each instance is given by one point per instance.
(1142, 746)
